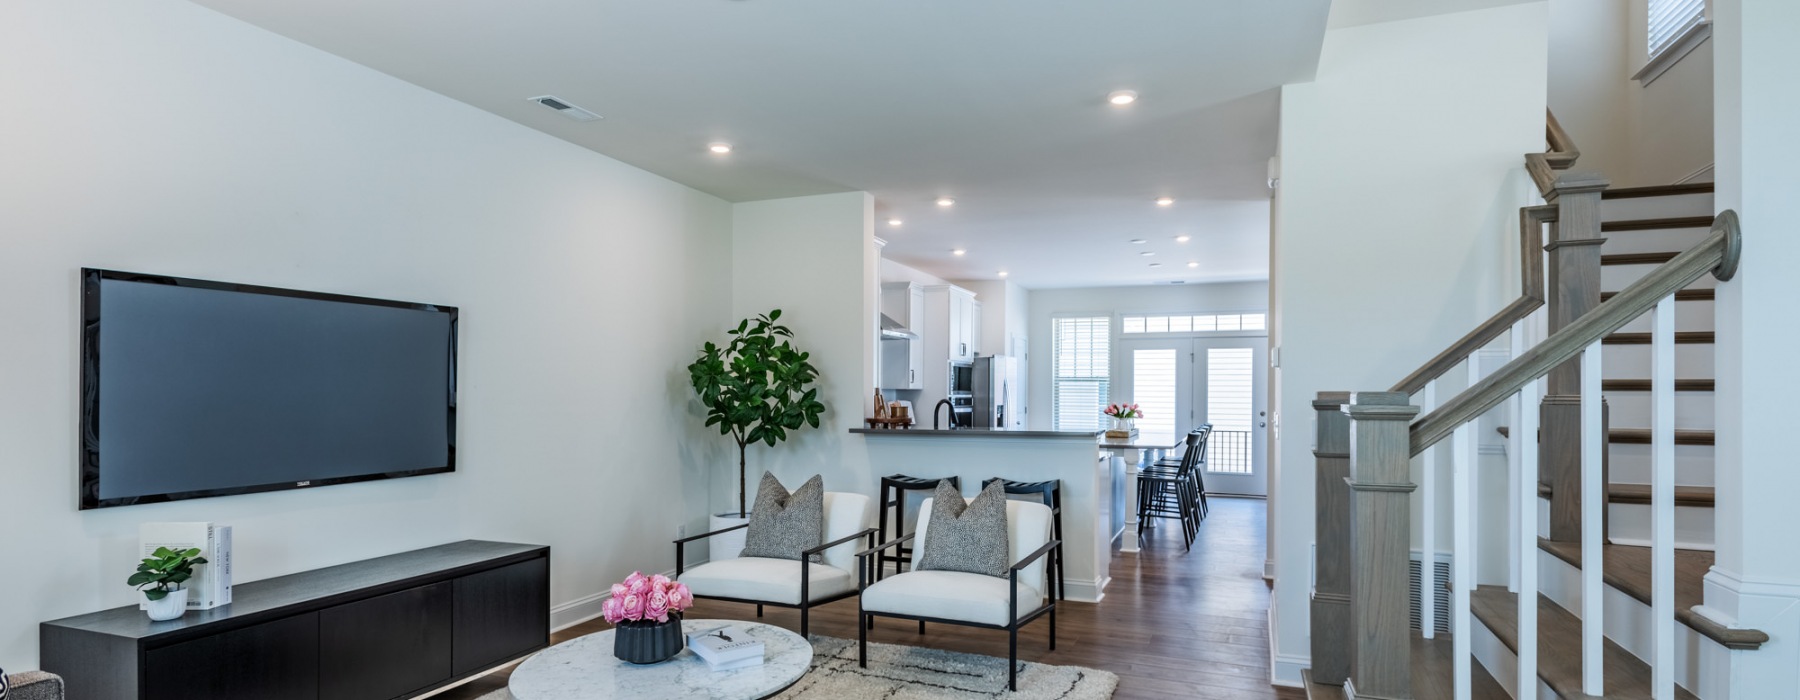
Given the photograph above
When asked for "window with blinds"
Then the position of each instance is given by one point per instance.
(1670, 19)
(1082, 357)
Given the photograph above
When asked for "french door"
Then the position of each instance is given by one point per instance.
(1181, 383)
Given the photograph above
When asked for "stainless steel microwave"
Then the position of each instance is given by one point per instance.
(962, 378)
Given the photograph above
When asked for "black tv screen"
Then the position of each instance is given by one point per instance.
(193, 388)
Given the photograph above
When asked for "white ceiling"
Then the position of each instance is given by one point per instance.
(998, 103)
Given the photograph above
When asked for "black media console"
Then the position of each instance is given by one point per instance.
(389, 627)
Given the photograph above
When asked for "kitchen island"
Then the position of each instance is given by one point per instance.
(1093, 484)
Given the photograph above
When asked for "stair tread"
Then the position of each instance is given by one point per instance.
(1431, 675)
(1657, 224)
(1627, 568)
(1682, 295)
(1692, 496)
(1681, 337)
(1658, 190)
(1641, 436)
(1637, 258)
(1646, 385)
(1559, 646)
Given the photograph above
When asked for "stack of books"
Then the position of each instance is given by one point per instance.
(726, 648)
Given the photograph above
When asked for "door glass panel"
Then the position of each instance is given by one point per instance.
(1230, 378)
(1153, 379)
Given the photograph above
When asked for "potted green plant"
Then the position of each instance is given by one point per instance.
(756, 388)
(161, 576)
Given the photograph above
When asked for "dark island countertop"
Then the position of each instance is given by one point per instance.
(978, 433)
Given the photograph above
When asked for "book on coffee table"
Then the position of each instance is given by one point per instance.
(726, 648)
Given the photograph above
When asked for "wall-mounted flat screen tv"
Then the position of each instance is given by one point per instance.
(192, 389)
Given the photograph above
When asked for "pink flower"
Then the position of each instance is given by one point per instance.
(684, 596)
(658, 608)
(660, 581)
(612, 609)
(633, 607)
(619, 590)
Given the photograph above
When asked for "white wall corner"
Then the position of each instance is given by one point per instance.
(1284, 669)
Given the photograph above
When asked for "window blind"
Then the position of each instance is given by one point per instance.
(1669, 19)
(1083, 361)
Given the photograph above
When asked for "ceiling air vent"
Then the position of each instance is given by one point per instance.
(564, 108)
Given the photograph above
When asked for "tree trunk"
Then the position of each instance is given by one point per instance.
(743, 484)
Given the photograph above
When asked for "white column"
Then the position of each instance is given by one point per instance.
(1428, 581)
(1662, 499)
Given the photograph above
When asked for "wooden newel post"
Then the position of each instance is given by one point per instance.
(1380, 544)
(1574, 291)
(1331, 541)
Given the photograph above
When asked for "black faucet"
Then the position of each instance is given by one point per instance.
(940, 405)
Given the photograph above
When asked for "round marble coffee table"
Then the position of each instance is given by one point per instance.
(585, 669)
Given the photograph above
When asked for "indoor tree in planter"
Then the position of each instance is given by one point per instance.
(756, 388)
(161, 576)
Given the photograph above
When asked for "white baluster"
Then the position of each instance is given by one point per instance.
(1662, 498)
(1593, 604)
(1428, 581)
(1515, 492)
(1462, 538)
(1525, 537)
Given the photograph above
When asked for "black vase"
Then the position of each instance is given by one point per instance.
(648, 641)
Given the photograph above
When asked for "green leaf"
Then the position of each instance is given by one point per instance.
(156, 594)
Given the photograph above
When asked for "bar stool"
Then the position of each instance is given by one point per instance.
(893, 498)
(1198, 474)
(1051, 492)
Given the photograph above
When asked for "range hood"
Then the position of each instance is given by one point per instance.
(893, 330)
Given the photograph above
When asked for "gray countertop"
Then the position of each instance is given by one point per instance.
(978, 433)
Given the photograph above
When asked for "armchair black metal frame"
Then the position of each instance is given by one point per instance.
(865, 619)
(806, 603)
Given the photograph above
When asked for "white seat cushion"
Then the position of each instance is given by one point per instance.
(771, 580)
(950, 595)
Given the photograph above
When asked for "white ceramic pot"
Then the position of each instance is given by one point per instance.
(730, 544)
(170, 607)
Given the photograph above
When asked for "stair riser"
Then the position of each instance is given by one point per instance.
(1656, 207)
(1631, 464)
(1614, 278)
(1692, 360)
(1631, 409)
(1628, 624)
(1689, 316)
(1500, 662)
(1630, 524)
(1669, 240)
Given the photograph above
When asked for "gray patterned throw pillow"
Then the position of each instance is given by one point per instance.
(783, 524)
(969, 537)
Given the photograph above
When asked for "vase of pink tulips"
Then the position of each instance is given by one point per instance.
(645, 612)
(1123, 415)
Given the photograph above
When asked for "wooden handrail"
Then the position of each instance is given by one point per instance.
(1531, 297)
(1718, 254)
(1560, 156)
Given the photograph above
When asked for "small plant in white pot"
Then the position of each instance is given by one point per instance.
(161, 576)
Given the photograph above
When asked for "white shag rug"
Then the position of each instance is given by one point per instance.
(898, 672)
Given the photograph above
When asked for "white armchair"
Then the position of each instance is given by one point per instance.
(789, 583)
(973, 600)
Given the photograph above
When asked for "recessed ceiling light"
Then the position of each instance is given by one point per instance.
(1147, 253)
(1183, 238)
(958, 251)
(719, 147)
(1120, 98)
(1156, 264)
(1139, 241)
(895, 222)
(1193, 264)
(1164, 201)
(945, 202)
(1002, 273)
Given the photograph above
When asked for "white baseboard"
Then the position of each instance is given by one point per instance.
(1284, 669)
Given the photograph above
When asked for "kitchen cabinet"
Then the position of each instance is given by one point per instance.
(902, 361)
(974, 329)
(965, 314)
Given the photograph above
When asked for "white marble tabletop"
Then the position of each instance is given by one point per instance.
(585, 669)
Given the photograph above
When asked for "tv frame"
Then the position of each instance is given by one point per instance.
(89, 437)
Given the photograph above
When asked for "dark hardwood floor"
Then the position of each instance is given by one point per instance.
(1174, 624)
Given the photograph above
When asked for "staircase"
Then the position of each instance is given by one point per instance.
(1620, 474)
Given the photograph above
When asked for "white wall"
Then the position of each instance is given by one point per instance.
(1047, 304)
(1590, 80)
(814, 258)
(159, 136)
(1671, 119)
(1401, 180)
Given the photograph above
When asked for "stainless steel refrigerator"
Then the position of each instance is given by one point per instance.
(998, 389)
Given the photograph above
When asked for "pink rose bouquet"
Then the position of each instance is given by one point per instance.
(1123, 410)
(646, 598)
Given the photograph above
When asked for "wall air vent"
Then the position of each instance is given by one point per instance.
(564, 108)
